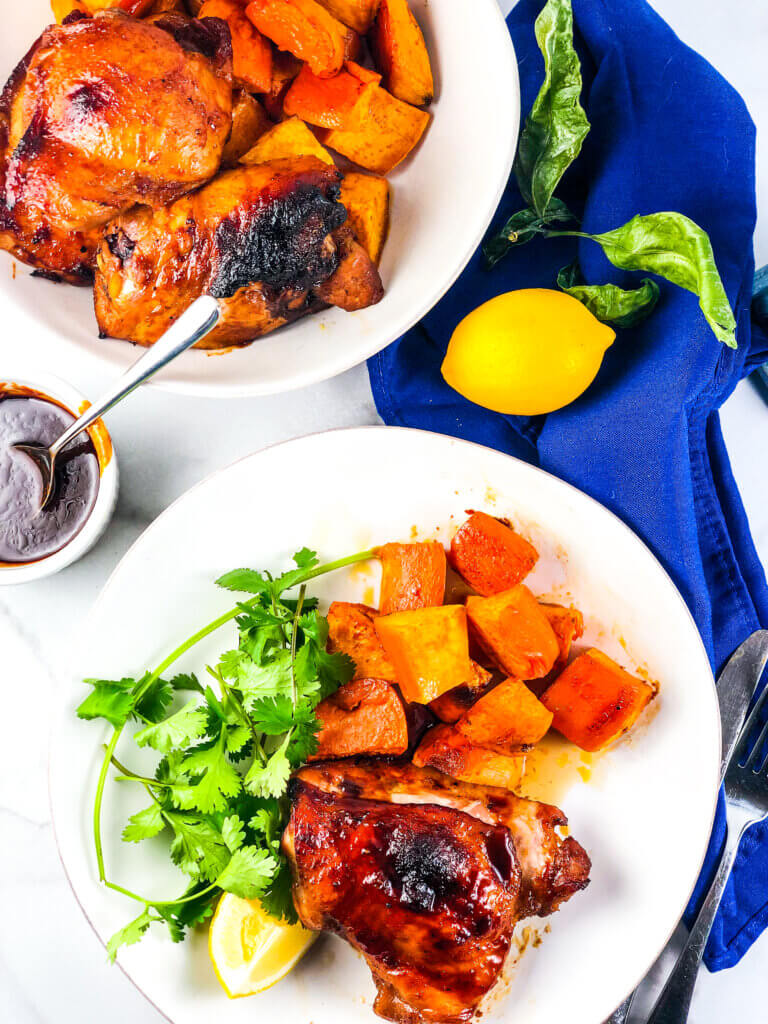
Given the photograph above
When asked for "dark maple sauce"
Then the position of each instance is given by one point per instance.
(28, 534)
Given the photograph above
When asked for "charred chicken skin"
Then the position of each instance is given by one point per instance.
(102, 114)
(426, 876)
(268, 240)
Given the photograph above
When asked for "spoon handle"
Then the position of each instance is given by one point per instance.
(193, 324)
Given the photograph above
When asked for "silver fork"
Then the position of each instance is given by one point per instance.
(746, 794)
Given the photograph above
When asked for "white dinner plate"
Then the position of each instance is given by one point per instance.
(444, 196)
(644, 816)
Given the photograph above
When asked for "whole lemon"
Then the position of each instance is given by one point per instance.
(527, 352)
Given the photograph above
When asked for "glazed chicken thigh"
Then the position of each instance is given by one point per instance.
(426, 876)
(268, 240)
(102, 114)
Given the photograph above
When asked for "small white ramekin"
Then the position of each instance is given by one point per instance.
(106, 498)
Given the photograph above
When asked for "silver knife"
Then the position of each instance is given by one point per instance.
(735, 689)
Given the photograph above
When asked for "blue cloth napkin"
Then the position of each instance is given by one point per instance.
(668, 133)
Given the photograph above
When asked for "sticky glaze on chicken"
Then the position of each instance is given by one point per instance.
(104, 113)
(268, 239)
(428, 894)
(553, 868)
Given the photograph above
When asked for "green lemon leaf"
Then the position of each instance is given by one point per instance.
(522, 227)
(676, 248)
(609, 303)
(556, 127)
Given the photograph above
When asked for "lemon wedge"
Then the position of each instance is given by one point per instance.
(251, 951)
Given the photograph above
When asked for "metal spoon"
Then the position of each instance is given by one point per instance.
(193, 325)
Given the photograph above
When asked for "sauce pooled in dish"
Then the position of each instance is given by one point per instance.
(28, 534)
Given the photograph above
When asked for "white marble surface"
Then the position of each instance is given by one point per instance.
(52, 968)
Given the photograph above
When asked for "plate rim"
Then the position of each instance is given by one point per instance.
(336, 364)
(63, 705)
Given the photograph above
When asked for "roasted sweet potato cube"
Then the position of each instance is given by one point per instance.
(351, 631)
(448, 751)
(308, 31)
(249, 123)
(513, 630)
(364, 717)
(594, 700)
(392, 130)
(287, 139)
(358, 14)
(63, 8)
(489, 555)
(251, 52)
(507, 719)
(452, 705)
(568, 624)
(339, 102)
(429, 648)
(366, 199)
(412, 576)
(401, 54)
(160, 7)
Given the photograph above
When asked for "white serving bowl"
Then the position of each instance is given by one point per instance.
(444, 196)
(106, 498)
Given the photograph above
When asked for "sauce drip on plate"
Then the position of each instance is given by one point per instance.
(28, 534)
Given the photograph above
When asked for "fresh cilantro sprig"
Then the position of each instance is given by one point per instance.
(218, 794)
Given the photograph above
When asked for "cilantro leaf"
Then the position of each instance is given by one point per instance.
(306, 559)
(109, 699)
(270, 779)
(216, 779)
(144, 824)
(198, 849)
(273, 717)
(130, 934)
(248, 873)
(155, 701)
(186, 681)
(180, 730)
(271, 679)
(277, 901)
(233, 833)
(246, 581)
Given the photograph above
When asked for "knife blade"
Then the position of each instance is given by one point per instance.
(736, 687)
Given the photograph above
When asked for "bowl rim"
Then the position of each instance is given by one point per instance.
(106, 498)
(296, 375)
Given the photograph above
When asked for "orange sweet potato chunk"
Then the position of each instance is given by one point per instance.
(429, 648)
(568, 624)
(489, 555)
(401, 54)
(448, 751)
(358, 14)
(287, 139)
(452, 705)
(392, 130)
(513, 630)
(351, 631)
(364, 717)
(308, 31)
(249, 123)
(339, 102)
(251, 52)
(412, 576)
(507, 719)
(594, 701)
(366, 199)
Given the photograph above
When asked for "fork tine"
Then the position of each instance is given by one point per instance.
(744, 753)
(757, 766)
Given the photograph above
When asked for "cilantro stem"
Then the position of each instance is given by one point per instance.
(294, 632)
(141, 689)
(160, 903)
